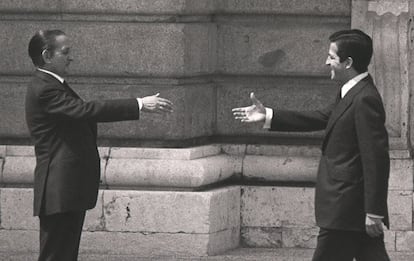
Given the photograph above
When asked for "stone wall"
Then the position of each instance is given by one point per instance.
(161, 193)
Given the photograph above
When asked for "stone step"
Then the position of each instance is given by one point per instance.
(240, 254)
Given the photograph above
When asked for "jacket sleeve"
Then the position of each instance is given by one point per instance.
(58, 102)
(373, 146)
(301, 120)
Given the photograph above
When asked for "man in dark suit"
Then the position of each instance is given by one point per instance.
(63, 128)
(352, 181)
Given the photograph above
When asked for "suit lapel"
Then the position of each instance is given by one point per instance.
(64, 85)
(344, 104)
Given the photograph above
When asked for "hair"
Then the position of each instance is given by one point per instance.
(355, 44)
(42, 40)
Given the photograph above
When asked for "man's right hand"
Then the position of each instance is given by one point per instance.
(156, 104)
(254, 113)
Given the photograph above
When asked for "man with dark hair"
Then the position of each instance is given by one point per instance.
(64, 129)
(352, 181)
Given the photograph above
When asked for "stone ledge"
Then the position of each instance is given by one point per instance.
(171, 173)
(199, 166)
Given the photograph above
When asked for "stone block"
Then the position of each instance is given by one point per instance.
(2, 151)
(234, 149)
(24, 151)
(13, 124)
(257, 48)
(158, 245)
(280, 168)
(405, 241)
(277, 207)
(389, 240)
(296, 7)
(172, 211)
(401, 174)
(22, 241)
(125, 50)
(16, 209)
(19, 170)
(277, 93)
(300, 237)
(400, 204)
(147, 7)
(268, 237)
(171, 173)
(25, 6)
(284, 150)
(165, 153)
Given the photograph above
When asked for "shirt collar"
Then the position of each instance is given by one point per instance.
(351, 83)
(60, 79)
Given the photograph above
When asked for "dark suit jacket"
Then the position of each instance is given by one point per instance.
(353, 171)
(63, 128)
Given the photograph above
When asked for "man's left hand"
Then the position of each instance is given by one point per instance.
(374, 226)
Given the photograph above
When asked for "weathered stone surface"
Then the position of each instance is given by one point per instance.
(390, 240)
(300, 237)
(284, 150)
(312, 7)
(401, 174)
(280, 168)
(172, 211)
(2, 151)
(166, 153)
(12, 95)
(256, 48)
(156, 49)
(171, 173)
(19, 170)
(25, 151)
(268, 237)
(154, 245)
(234, 149)
(16, 209)
(405, 241)
(277, 207)
(400, 204)
(22, 241)
(23, 6)
(140, 7)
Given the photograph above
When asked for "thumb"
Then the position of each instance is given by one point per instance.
(254, 99)
(158, 94)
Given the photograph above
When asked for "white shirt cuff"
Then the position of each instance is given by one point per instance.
(374, 216)
(268, 119)
(139, 100)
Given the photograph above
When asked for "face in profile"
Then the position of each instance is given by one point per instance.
(59, 61)
(333, 61)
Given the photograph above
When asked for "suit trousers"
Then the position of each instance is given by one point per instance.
(338, 245)
(60, 236)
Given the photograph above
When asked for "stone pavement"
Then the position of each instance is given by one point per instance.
(241, 254)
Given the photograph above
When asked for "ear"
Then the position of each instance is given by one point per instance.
(348, 62)
(46, 55)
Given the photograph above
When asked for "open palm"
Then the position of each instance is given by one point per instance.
(253, 113)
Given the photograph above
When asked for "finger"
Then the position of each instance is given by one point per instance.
(241, 109)
(157, 94)
(241, 113)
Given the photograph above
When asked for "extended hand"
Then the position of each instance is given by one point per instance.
(253, 113)
(156, 104)
(373, 226)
